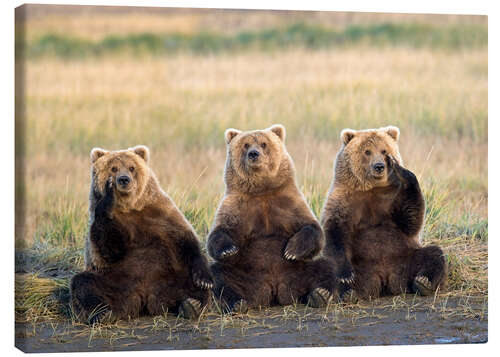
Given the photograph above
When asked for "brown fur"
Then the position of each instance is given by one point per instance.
(265, 237)
(141, 252)
(372, 221)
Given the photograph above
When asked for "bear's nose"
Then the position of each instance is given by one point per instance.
(253, 154)
(379, 167)
(123, 180)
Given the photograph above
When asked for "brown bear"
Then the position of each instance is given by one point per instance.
(265, 239)
(141, 253)
(372, 218)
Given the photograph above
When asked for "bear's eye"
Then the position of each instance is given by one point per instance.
(263, 145)
(114, 169)
(368, 152)
(384, 152)
(131, 168)
(247, 146)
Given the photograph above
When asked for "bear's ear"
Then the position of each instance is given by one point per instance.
(279, 130)
(393, 132)
(230, 134)
(96, 153)
(142, 151)
(346, 135)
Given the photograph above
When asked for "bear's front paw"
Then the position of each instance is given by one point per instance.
(346, 275)
(292, 251)
(401, 174)
(301, 246)
(104, 205)
(202, 277)
(226, 251)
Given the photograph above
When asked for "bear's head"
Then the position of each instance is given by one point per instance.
(257, 161)
(362, 162)
(128, 170)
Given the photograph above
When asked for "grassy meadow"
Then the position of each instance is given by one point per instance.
(175, 80)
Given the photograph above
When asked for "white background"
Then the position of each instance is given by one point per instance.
(421, 6)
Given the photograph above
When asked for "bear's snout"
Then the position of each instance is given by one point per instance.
(379, 167)
(123, 180)
(253, 154)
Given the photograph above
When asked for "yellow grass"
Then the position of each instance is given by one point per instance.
(164, 102)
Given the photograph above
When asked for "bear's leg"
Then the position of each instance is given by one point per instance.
(229, 299)
(95, 297)
(174, 295)
(427, 270)
(313, 283)
(325, 287)
(367, 284)
(86, 298)
(397, 276)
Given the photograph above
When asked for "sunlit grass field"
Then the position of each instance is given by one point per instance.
(426, 74)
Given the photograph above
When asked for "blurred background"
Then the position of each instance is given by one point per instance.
(175, 79)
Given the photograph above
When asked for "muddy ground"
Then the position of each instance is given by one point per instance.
(387, 321)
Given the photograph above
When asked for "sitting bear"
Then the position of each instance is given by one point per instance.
(372, 218)
(265, 238)
(141, 254)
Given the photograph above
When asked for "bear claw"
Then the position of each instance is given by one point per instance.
(229, 252)
(190, 308)
(290, 256)
(348, 280)
(422, 285)
(319, 297)
(203, 284)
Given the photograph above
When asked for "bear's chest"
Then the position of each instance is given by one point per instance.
(144, 227)
(267, 217)
(371, 209)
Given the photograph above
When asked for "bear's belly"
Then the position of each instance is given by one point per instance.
(152, 260)
(382, 243)
(262, 257)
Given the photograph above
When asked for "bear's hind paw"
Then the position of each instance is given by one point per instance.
(190, 309)
(99, 316)
(422, 285)
(319, 297)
